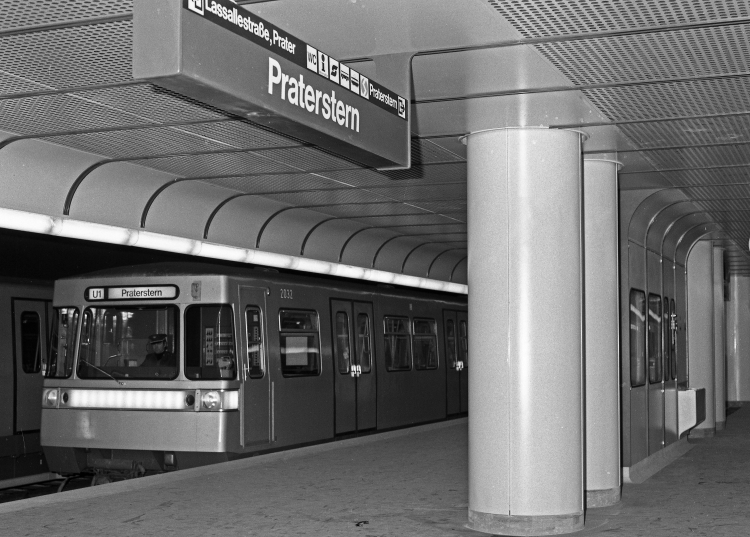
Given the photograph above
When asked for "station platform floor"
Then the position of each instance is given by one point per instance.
(402, 483)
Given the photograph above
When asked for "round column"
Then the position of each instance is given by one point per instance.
(720, 378)
(525, 307)
(700, 292)
(602, 334)
(738, 340)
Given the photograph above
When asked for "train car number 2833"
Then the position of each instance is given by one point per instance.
(287, 294)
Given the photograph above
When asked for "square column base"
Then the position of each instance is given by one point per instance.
(602, 498)
(525, 525)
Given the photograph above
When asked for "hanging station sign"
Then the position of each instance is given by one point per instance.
(220, 54)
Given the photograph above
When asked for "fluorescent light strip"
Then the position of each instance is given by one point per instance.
(79, 229)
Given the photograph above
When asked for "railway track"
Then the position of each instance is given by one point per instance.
(32, 490)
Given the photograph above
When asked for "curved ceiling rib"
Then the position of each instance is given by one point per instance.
(9, 140)
(377, 252)
(74, 187)
(313, 228)
(152, 199)
(348, 240)
(406, 257)
(463, 259)
(268, 221)
(686, 244)
(432, 263)
(216, 211)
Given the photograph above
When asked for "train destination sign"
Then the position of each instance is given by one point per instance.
(152, 292)
(219, 53)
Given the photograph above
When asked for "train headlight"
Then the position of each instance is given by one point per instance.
(210, 400)
(51, 397)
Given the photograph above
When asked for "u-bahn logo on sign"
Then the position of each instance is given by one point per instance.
(196, 5)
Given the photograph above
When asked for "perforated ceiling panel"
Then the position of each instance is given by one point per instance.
(100, 52)
(58, 12)
(563, 17)
(698, 64)
(691, 132)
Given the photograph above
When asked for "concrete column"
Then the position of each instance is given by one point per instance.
(701, 331)
(525, 304)
(738, 340)
(602, 333)
(720, 386)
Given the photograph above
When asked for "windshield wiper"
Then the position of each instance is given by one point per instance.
(101, 371)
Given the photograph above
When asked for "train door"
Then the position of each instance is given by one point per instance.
(29, 348)
(256, 392)
(456, 352)
(355, 384)
(463, 358)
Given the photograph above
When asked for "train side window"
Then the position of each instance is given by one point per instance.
(299, 343)
(654, 349)
(450, 343)
(673, 338)
(255, 351)
(341, 345)
(424, 343)
(396, 334)
(665, 339)
(637, 338)
(209, 342)
(31, 342)
(63, 343)
(364, 342)
(463, 339)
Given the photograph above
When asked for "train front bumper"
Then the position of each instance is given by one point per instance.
(140, 429)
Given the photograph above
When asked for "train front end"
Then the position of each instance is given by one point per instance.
(142, 376)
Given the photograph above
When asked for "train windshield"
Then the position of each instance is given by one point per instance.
(129, 342)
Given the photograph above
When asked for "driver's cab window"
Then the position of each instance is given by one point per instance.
(129, 342)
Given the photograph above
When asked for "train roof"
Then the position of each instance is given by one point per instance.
(166, 269)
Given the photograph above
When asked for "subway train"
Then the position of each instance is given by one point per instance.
(25, 314)
(176, 365)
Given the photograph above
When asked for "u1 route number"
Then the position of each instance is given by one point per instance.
(286, 294)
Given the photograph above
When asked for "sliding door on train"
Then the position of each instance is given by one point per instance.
(355, 384)
(30, 328)
(256, 386)
(456, 334)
